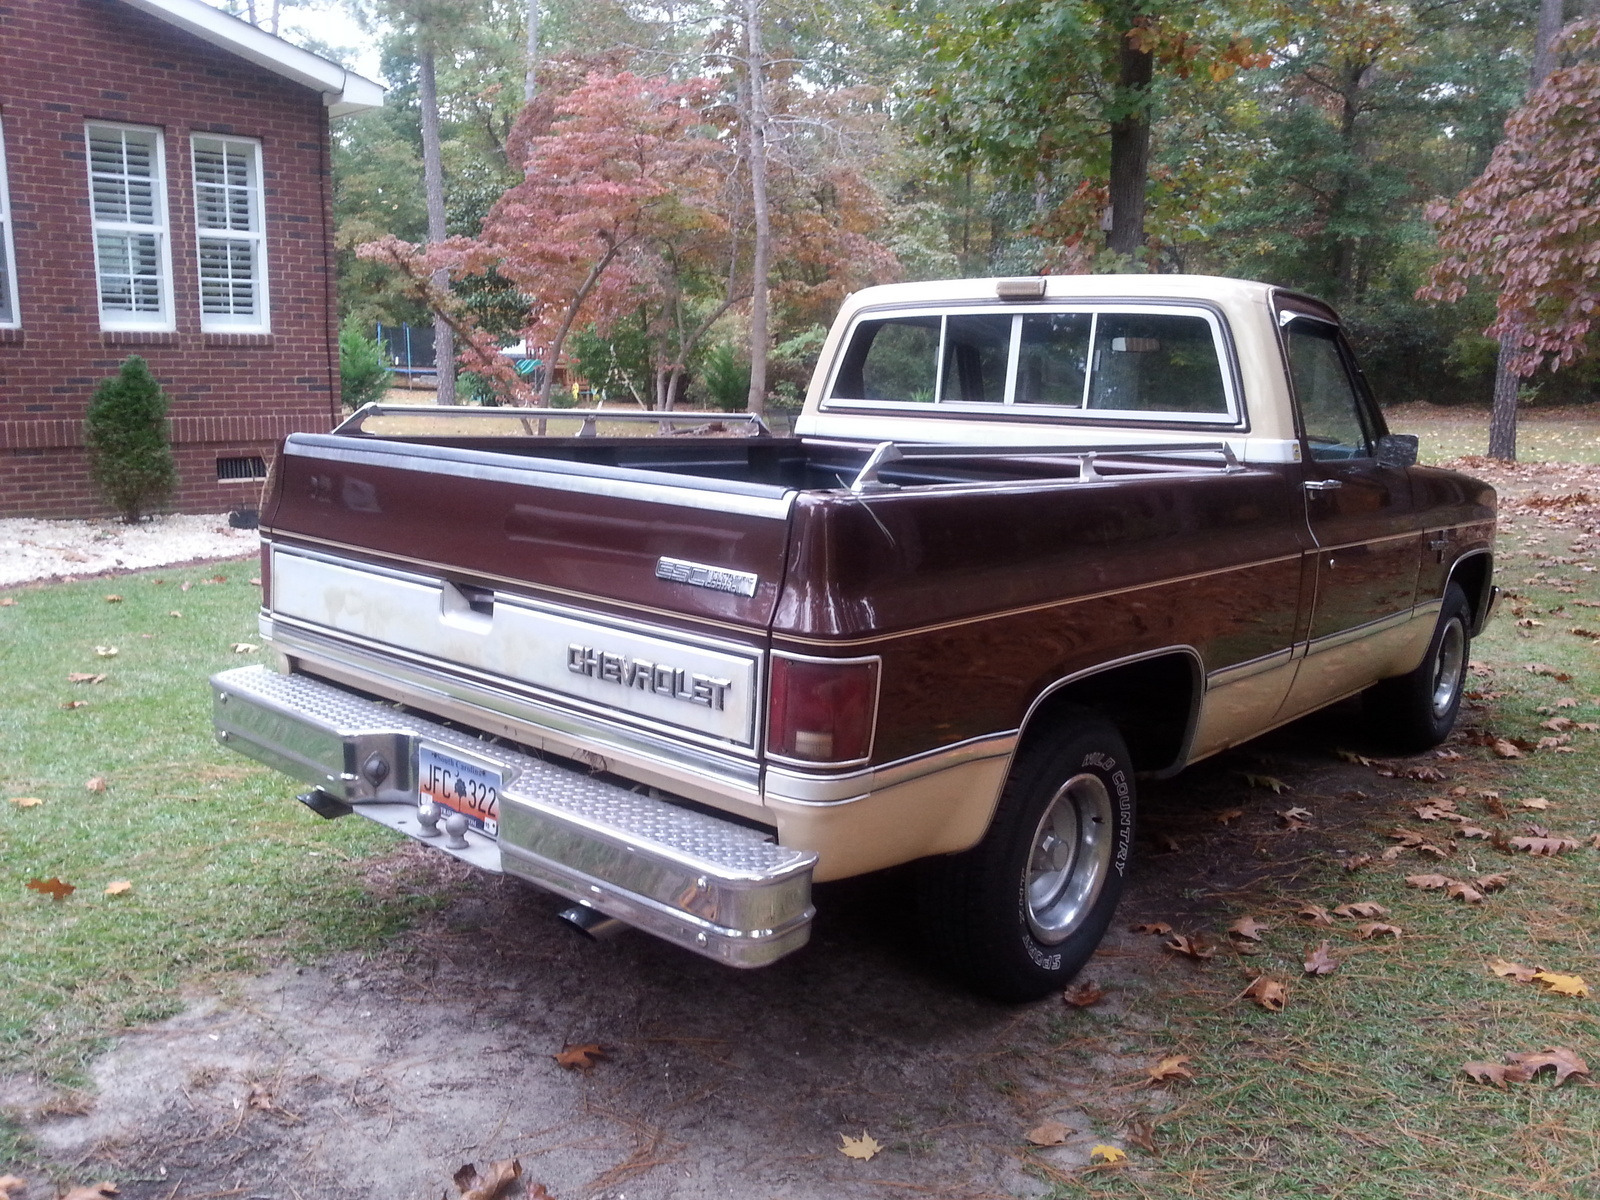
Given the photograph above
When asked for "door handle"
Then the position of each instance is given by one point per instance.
(1322, 485)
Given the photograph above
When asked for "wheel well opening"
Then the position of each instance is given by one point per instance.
(1473, 575)
(1151, 702)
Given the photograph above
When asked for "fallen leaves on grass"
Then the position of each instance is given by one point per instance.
(1427, 882)
(1229, 815)
(95, 784)
(1190, 947)
(1267, 992)
(1051, 1133)
(1520, 1068)
(1491, 883)
(1321, 962)
(1108, 1156)
(103, 1190)
(1315, 914)
(7, 601)
(70, 704)
(52, 887)
(1511, 970)
(1541, 669)
(1372, 929)
(1295, 818)
(863, 1147)
(496, 1185)
(1361, 910)
(1084, 995)
(118, 887)
(1459, 889)
(1504, 748)
(9, 1184)
(1563, 985)
(1167, 1069)
(580, 1058)
(1248, 928)
(1547, 847)
(113, 599)
(26, 801)
(1357, 861)
(84, 677)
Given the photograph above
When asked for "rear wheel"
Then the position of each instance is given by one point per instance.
(1417, 710)
(1019, 914)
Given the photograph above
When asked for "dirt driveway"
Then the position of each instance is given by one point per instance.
(381, 1076)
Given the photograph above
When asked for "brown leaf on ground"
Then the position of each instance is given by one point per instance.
(1321, 961)
(1084, 995)
(84, 677)
(1505, 749)
(579, 1058)
(1496, 1073)
(1463, 891)
(7, 602)
(97, 784)
(1314, 914)
(76, 704)
(1248, 928)
(499, 1183)
(1511, 970)
(260, 1098)
(1557, 724)
(1051, 1133)
(103, 1190)
(1560, 1059)
(1356, 862)
(1551, 672)
(863, 1147)
(1472, 831)
(1190, 947)
(1594, 841)
(1294, 818)
(1229, 815)
(1547, 847)
(11, 1183)
(1427, 882)
(113, 599)
(1267, 992)
(34, 802)
(1563, 985)
(1159, 928)
(1361, 910)
(52, 887)
(1271, 782)
(1141, 1133)
(1567, 702)
(1374, 929)
(118, 887)
(1430, 812)
(1491, 883)
(1175, 1066)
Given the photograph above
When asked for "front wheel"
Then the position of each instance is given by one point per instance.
(1019, 914)
(1416, 711)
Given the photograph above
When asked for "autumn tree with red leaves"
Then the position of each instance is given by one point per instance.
(1531, 221)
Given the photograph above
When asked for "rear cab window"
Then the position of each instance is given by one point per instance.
(1084, 360)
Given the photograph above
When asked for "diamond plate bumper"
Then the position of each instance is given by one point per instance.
(720, 889)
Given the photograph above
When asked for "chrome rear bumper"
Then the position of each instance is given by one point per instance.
(715, 887)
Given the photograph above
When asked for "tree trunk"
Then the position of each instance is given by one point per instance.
(1130, 150)
(444, 343)
(1503, 417)
(757, 124)
(530, 82)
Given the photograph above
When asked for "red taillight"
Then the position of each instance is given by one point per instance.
(822, 711)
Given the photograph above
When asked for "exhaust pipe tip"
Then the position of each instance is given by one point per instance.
(592, 923)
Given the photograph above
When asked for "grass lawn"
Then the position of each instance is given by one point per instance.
(225, 876)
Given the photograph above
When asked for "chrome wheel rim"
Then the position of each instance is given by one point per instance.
(1449, 666)
(1070, 858)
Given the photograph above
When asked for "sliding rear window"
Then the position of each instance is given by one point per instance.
(1092, 361)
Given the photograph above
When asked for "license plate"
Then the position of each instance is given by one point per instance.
(459, 786)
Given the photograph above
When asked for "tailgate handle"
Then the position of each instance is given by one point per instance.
(466, 606)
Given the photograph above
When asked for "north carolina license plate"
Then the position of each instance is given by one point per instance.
(459, 786)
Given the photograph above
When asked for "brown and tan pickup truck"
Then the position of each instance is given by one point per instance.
(1031, 539)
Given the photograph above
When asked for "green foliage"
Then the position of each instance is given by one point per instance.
(363, 367)
(616, 365)
(126, 433)
(726, 377)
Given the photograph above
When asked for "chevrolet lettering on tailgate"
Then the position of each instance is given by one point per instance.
(648, 676)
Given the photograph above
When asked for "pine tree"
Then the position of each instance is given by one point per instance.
(129, 454)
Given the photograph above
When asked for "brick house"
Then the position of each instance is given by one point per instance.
(164, 191)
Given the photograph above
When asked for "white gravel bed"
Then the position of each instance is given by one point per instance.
(32, 550)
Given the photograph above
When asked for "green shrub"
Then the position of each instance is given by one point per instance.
(126, 432)
(726, 378)
(363, 367)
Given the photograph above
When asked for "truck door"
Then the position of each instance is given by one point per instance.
(1366, 544)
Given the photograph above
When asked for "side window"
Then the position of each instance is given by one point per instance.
(1053, 359)
(8, 259)
(231, 241)
(1336, 423)
(1156, 363)
(976, 352)
(893, 359)
(128, 204)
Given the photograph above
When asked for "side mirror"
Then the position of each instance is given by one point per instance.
(1398, 449)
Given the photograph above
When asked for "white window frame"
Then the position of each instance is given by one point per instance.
(254, 237)
(162, 321)
(8, 250)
